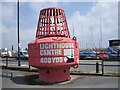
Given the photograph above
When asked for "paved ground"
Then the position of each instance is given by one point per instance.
(82, 81)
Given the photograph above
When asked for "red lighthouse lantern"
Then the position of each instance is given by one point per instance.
(53, 52)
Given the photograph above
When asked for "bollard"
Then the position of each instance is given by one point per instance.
(102, 66)
(29, 67)
(118, 57)
(7, 61)
(11, 75)
(97, 67)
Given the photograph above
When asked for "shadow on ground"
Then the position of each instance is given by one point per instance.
(30, 80)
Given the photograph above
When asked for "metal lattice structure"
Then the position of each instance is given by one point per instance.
(52, 22)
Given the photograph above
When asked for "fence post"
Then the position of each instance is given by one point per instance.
(97, 67)
(102, 66)
(118, 57)
(7, 61)
(29, 67)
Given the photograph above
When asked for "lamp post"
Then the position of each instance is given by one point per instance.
(18, 35)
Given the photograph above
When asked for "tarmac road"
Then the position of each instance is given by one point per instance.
(84, 81)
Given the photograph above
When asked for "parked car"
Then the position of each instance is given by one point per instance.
(88, 55)
(3, 52)
(103, 55)
(113, 55)
(82, 55)
(23, 54)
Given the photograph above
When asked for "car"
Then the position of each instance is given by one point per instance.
(90, 54)
(113, 54)
(82, 55)
(103, 55)
(3, 52)
(23, 54)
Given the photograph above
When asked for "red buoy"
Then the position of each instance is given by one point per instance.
(53, 52)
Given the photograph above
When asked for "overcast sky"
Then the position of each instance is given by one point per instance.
(83, 17)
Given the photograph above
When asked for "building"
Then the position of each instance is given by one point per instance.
(114, 44)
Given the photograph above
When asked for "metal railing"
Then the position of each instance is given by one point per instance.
(99, 64)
